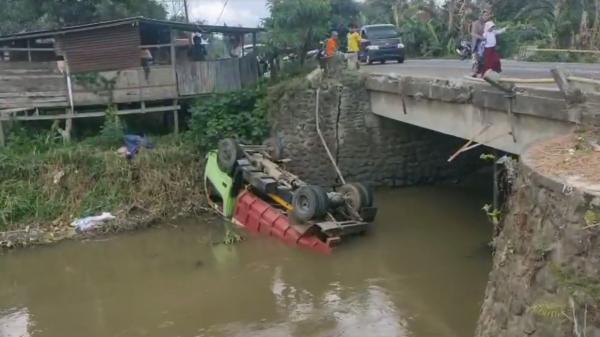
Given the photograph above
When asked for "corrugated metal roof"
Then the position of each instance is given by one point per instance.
(131, 20)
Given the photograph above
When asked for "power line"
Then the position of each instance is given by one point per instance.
(222, 11)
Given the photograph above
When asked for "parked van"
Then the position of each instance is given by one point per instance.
(381, 43)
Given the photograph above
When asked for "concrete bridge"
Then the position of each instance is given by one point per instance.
(477, 111)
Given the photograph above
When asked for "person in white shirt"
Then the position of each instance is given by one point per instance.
(491, 58)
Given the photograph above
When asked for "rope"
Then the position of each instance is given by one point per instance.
(337, 169)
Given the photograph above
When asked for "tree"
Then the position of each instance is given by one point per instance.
(21, 15)
(344, 13)
(297, 25)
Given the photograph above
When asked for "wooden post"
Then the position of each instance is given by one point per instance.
(173, 61)
(29, 50)
(173, 55)
(175, 118)
(71, 109)
(68, 125)
(243, 43)
(2, 141)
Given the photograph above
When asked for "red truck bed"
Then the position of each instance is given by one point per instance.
(256, 215)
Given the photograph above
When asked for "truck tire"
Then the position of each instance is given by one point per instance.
(228, 155)
(308, 203)
(366, 192)
(354, 196)
(274, 148)
(323, 201)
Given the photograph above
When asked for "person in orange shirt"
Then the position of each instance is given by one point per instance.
(333, 44)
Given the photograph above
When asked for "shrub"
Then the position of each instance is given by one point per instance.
(238, 115)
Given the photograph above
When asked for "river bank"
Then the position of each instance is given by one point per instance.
(545, 276)
(43, 190)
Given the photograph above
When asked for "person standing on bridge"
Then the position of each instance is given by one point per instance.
(491, 58)
(354, 40)
(333, 44)
(477, 31)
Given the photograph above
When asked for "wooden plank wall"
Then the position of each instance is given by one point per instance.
(228, 75)
(249, 70)
(104, 49)
(194, 78)
(26, 85)
(131, 85)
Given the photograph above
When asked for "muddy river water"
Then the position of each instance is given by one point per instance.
(421, 272)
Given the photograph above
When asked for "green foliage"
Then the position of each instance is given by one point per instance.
(424, 39)
(592, 218)
(552, 311)
(561, 56)
(518, 35)
(112, 131)
(18, 15)
(488, 157)
(541, 23)
(297, 25)
(344, 13)
(22, 140)
(239, 115)
(493, 214)
(582, 288)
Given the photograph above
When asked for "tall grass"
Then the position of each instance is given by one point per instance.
(59, 183)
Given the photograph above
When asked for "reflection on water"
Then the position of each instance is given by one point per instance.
(15, 323)
(421, 272)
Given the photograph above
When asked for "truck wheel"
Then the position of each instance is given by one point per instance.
(354, 196)
(229, 153)
(274, 148)
(323, 201)
(308, 203)
(401, 60)
(367, 194)
(382, 61)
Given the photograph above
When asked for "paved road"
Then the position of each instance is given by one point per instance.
(457, 69)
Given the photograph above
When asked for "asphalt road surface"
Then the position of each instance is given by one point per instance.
(457, 69)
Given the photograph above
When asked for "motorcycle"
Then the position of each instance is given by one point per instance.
(464, 50)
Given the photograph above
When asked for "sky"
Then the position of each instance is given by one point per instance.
(247, 13)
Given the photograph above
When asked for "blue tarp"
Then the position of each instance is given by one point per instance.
(134, 143)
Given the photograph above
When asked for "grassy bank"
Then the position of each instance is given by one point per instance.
(49, 186)
(45, 184)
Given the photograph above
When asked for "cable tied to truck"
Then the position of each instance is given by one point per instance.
(337, 169)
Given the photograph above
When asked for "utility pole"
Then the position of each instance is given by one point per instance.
(186, 10)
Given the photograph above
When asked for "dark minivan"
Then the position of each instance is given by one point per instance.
(381, 43)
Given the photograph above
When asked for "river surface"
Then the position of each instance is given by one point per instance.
(421, 272)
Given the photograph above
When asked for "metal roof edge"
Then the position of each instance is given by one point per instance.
(134, 19)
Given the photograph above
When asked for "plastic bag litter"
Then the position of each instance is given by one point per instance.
(91, 222)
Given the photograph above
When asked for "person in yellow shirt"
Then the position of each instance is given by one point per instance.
(354, 40)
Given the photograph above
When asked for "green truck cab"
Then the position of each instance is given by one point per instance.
(219, 187)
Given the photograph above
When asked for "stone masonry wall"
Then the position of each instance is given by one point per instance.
(547, 255)
(368, 148)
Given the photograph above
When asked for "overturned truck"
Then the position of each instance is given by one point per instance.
(249, 186)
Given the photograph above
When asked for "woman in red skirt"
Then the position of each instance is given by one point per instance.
(491, 58)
